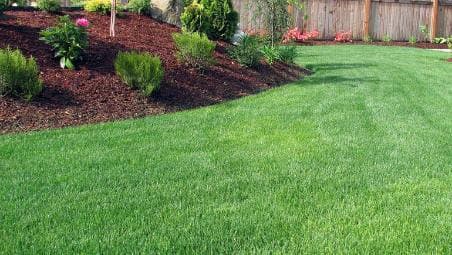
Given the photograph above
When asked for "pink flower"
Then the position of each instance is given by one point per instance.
(82, 22)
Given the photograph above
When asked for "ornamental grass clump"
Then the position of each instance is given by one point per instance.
(140, 71)
(19, 76)
(68, 40)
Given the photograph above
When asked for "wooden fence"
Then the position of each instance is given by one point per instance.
(398, 19)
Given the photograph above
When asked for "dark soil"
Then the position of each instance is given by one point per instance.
(94, 94)
(422, 45)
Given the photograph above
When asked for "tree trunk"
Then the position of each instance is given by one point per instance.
(113, 18)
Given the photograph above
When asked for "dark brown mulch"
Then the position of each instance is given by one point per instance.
(422, 45)
(94, 94)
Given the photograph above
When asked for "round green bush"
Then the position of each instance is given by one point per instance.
(194, 49)
(139, 6)
(216, 18)
(140, 71)
(49, 5)
(3, 6)
(19, 76)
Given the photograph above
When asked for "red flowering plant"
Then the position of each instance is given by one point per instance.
(343, 37)
(68, 40)
(298, 36)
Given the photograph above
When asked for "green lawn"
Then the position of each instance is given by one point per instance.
(356, 158)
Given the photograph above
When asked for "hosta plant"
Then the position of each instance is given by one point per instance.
(68, 40)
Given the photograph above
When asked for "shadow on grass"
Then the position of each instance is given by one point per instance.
(336, 66)
(337, 80)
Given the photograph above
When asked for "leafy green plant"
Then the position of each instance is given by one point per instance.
(194, 49)
(425, 32)
(98, 6)
(221, 19)
(270, 54)
(387, 39)
(216, 18)
(49, 5)
(68, 40)
(194, 18)
(19, 76)
(444, 40)
(139, 6)
(247, 53)
(3, 5)
(412, 40)
(368, 39)
(140, 71)
(287, 54)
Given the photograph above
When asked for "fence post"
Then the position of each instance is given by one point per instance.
(434, 25)
(367, 8)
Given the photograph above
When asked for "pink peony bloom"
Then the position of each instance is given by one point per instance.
(82, 22)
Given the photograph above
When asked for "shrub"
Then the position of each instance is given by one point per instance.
(270, 54)
(343, 37)
(387, 39)
(443, 40)
(221, 19)
(412, 40)
(287, 54)
(99, 6)
(194, 18)
(368, 39)
(247, 53)
(216, 18)
(194, 49)
(48, 5)
(68, 40)
(140, 71)
(19, 76)
(3, 5)
(139, 6)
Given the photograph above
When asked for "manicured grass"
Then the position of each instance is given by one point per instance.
(354, 159)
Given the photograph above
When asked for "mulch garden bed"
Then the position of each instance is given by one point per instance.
(93, 93)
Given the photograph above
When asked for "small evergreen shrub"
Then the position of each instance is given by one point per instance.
(221, 18)
(19, 76)
(68, 40)
(247, 53)
(216, 18)
(98, 6)
(194, 18)
(287, 54)
(140, 71)
(3, 5)
(49, 5)
(139, 6)
(194, 49)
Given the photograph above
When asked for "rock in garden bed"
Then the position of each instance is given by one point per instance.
(93, 93)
